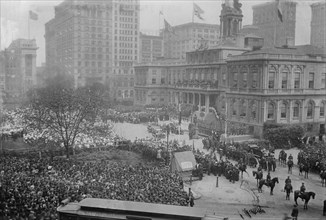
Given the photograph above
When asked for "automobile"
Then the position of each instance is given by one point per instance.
(257, 151)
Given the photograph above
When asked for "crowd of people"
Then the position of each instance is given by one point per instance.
(33, 188)
(314, 156)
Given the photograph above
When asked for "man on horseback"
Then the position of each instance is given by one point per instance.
(302, 189)
(288, 188)
(268, 178)
(290, 157)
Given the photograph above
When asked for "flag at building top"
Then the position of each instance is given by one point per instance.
(33, 15)
(168, 27)
(198, 11)
(279, 10)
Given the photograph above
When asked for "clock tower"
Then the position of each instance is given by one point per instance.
(230, 19)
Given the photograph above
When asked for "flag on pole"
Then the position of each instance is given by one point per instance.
(198, 11)
(180, 119)
(33, 15)
(279, 11)
(168, 27)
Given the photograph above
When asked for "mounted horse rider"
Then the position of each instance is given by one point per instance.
(268, 178)
(290, 157)
(288, 188)
(302, 189)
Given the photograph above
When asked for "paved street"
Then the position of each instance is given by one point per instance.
(229, 198)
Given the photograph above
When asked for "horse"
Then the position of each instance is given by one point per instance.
(268, 184)
(306, 196)
(243, 168)
(323, 178)
(258, 174)
(290, 165)
(305, 168)
(288, 189)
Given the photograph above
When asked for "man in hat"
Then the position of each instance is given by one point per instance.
(295, 212)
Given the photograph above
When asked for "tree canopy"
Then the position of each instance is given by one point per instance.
(61, 111)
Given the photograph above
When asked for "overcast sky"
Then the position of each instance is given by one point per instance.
(14, 17)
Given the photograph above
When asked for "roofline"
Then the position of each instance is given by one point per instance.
(318, 4)
(271, 3)
(195, 24)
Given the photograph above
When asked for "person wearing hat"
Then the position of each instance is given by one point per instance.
(295, 212)
(302, 189)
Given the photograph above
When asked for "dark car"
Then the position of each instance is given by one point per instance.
(257, 151)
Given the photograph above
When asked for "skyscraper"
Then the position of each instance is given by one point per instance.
(188, 37)
(20, 69)
(318, 24)
(276, 22)
(95, 41)
(151, 47)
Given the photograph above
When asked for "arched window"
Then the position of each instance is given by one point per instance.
(310, 110)
(322, 109)
(297, 73)
(243, 109)
(271, 78)
(270, 111)
(235, 80)
(234, 107)
(254, 73)
(244, 77)
(296, 110)
(285, 74)
(253, 107)
(283, 110)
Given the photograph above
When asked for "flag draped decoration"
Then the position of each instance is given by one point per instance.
(279, 11)
(33, 15)
(168, 27)
(198, 11)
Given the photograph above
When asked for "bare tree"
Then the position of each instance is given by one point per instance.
(64, 111)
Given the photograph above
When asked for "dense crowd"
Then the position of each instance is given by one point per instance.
(33, 188)
(314, 156)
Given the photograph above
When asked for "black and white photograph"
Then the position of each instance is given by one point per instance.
(163, 110)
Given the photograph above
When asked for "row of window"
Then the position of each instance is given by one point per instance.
(310, 113)
(125, 93)
(285, 79)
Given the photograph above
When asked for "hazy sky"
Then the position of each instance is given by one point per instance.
(14, 17)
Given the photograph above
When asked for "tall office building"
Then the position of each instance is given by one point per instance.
(188, 37)
(151, 47)
(2, 79)
(20, 69)
(95, 41)
(318, 24)
(276, 30)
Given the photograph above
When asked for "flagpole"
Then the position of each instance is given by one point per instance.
(193, 14)
(159, 19)
(29, 27)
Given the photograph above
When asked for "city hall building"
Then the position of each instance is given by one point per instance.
(242, 80)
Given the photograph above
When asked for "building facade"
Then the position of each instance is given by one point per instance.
(20, 70)
(274, 31)
(318, 25)
(188, 37)
(2, 79)
(96, 42)
(280, 85)
(151, 48)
